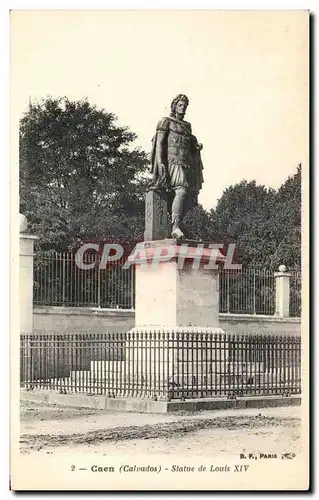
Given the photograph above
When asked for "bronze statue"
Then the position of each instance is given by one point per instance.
(176, 163)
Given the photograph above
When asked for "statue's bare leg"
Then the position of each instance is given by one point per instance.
(177, 211)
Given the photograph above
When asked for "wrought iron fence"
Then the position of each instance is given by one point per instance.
(162, 365)
(58, 280)
(295, 294)
(247, 291)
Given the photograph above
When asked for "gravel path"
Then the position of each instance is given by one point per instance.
(54, 429)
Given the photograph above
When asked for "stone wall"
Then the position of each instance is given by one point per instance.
(248, 323)
(81, 319)
(94, 320)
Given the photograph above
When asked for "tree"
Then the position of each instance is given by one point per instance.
(286, 223)
(197, 222)
(266, 224)
(80, 176)
(241, 212)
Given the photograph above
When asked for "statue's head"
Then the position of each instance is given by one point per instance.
(179, 105)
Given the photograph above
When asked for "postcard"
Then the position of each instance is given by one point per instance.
(160, 217)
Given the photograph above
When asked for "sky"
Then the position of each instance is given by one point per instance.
(245, 73)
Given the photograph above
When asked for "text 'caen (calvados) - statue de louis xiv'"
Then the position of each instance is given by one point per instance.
(176, 164)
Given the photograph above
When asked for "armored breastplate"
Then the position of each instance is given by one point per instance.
(178, 142)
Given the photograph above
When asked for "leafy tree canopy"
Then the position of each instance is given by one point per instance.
(80, 176)
(264, 223)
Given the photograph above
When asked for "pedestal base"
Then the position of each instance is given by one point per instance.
(165, 363)
(176, 284)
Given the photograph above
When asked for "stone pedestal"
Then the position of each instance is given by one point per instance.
(26, 282)
(176, 313)
(166, 363)
(177, 349)
(173, 293)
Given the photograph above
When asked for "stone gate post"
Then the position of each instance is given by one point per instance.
(26, 277)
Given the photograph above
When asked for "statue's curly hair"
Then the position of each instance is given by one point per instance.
(179, 97)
